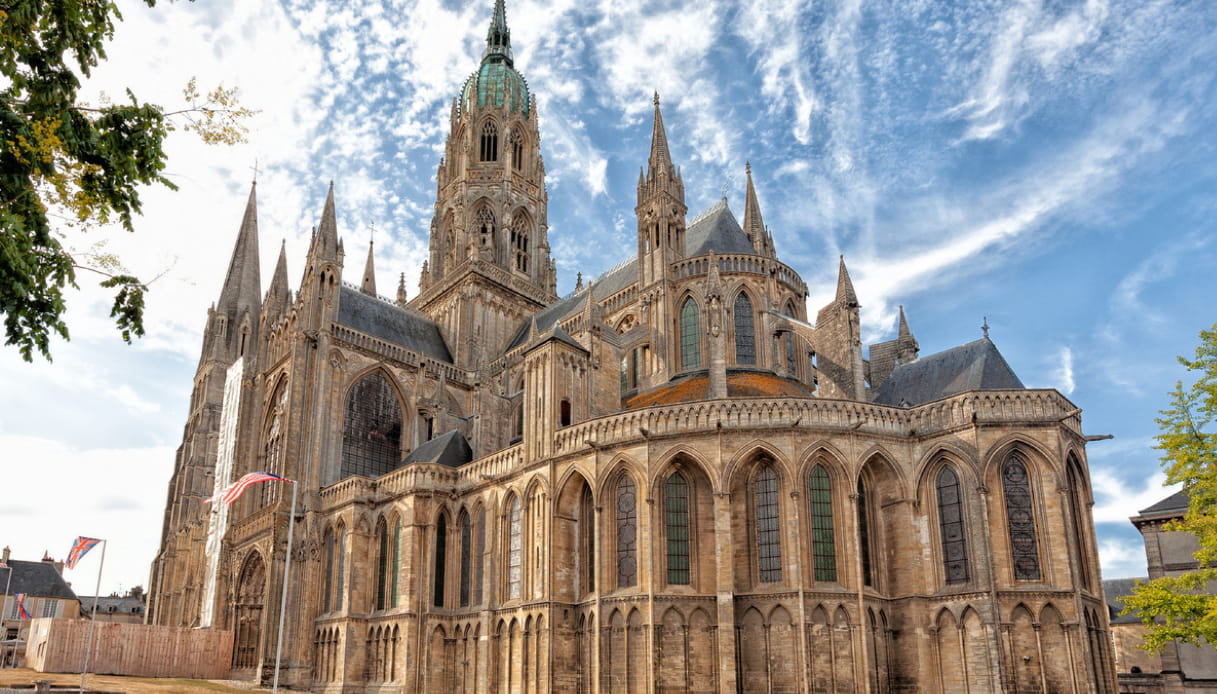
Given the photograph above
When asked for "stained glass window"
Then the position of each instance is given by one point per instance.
(515, 551)
(676, 510)
(396, 561)
(371, 437)
(823, 543)
(950, 521)
(441, 551)
(479, 532)
(627, 533)
(745, 334)
(466, 557)
(587, 531)
(490, 142)
(864, 535)
(690, 335)
(768, 535)
(382, 565)
(1021, 520)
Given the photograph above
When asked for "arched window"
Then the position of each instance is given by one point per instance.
(490, 142)
(519, 244)
(396, 564)
(1021, 520)
(339, 563)
(587, 539)
(1077, 504)
(382, 565)
(327, 544)
(627, 533)
(466, 556)
(823, 543)
(441, 551)
(517, 150)
(518, 428)
(371, 436)
(484, 227)
(479, 532)
(515, 550)
(676, 523)
(864, 535)
(690, 335)
(745, 334)
(273, 452)
(950, 521)
(564, 413)
(768, 534)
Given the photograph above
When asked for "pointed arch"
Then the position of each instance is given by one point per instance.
(823, 536)
(275, 423)
(1079, 515)
(517, 143)
(690, 335)
(465, 527)
(371, 435)
(745, 329)
(489, 149)
(439, 574)
(521, 239)
(1020, 519)
(952, 527)
(515, 547)
(625, 514)
(248, 611)
(484, 227)
(383, 564)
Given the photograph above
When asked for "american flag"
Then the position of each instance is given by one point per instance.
(79, 549)
(236, 489)
(21, 611)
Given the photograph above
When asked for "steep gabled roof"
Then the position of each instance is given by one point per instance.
(973, 366)
(1179, 501)
(716, 230)
(1113, 590)
(449, 449)
(37, 579)
(391, 323)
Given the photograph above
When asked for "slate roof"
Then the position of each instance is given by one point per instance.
(973, 366)
(112, 604)
(394, 324)
(1178, 501)
(449, 449)
(37, 579)
(740, 384)
(716, 230)
(1113, 590)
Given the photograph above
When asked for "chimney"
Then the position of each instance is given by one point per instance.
(7, 552)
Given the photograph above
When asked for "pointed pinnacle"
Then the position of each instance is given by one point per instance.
(401, 290)
(278, 282)
(660, 158)
(327, 230)
(904, 325)
(242, 283)
(369, 274)
(845, 286)
(754, 225)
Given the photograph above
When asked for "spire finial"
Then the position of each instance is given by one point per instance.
(984, 327)
(255, 170)
(498, 38)
(657, 98)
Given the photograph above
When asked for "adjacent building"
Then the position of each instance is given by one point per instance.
(674, 479)
(42, 592)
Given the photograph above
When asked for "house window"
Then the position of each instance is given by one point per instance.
(768, 534)
(490, 142)
(1021, 520)
(690, 335)
(627, 533)
(950, 522)
(371, 436)
(745, 334)
(823, 542)
(676, 512)
(515, 551)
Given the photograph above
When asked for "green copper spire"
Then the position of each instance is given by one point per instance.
(498, 38)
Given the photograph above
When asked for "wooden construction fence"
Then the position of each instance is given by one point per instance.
(138, 650)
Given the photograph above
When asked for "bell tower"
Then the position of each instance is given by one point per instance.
(489, 266)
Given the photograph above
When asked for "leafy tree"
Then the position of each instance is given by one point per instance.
(66, 164)
(1184, 607)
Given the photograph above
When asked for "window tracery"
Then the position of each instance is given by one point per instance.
(768, 535)
(690, 335)
(745, 333)
(371, 437)
(951, 525)
(676, 516)
(824, 551)
(519, 245)
(517, 150)
(490, 142)
(627, 533)
(1020, 518)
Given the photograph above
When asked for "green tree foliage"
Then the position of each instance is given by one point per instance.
(1183, 607)
(65, 164)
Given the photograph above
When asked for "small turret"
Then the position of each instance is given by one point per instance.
(838, 339)
(368, 286)
(754, 225)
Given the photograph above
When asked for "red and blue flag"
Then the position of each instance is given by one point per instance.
(21, 611)
(79, 549)
(236, 489)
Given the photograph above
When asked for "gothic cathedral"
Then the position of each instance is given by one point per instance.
(670, 480)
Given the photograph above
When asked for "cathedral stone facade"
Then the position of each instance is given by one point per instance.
(671, 480)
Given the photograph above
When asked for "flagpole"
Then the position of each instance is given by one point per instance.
(7, 586)
(287, 565)
(93, 621)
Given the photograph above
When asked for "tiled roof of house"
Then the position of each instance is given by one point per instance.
(36, 579)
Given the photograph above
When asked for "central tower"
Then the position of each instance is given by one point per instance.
(489, 266)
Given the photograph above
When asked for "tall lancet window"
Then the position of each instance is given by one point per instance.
(823, 544)
(690, 335)
(490, 141)
(1020, 517)
(484, 227)
(273, 452)
(466, 557)
(383, 566)
(441, 558)
(950, 522)
(519, 244)
(864, 536)
(768, 533)
(676, 521)
(627, 533)
(745, 335)
(371, 437)
(517, 150)
(515, 551)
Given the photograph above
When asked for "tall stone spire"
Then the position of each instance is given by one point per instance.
(845, 287)
(325, 241)
(243, 283)
(903, 331)
(278, 282)
(660, 161)
(754, 225)
(498, 37)
(369, 275)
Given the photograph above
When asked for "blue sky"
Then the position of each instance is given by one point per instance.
(1047, 165)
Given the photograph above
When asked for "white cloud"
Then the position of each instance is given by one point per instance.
(1115, 500)
(1120, 558)
(1064, 372)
